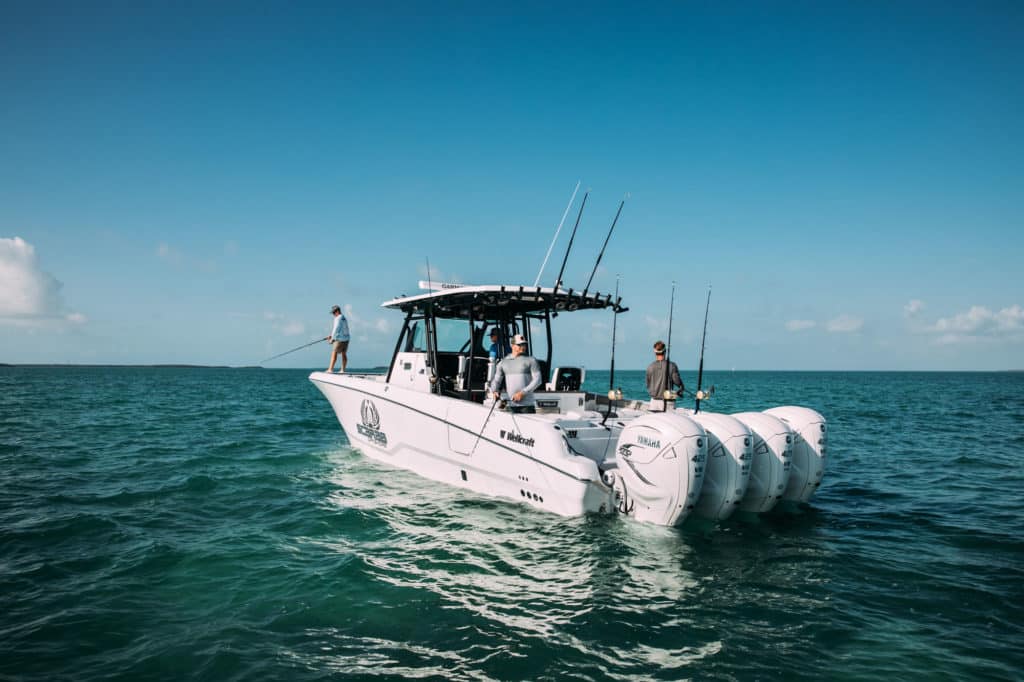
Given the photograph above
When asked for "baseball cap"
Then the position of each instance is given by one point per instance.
(518, 340)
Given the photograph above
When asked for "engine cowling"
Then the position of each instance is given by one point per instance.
(728, 465)
(660, 462)
(809, 445)
(771, 463)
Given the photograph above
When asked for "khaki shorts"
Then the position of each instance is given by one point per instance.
(341, 346)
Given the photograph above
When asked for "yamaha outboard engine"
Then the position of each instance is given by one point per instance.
(660, 467)
(808, 463)
(769, 469)
(728, 465)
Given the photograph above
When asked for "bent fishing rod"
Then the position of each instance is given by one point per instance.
(279, 355)
(700, 369)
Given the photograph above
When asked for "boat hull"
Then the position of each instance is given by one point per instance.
(519, 457)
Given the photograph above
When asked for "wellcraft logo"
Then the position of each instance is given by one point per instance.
(371, 423)
(517, 438)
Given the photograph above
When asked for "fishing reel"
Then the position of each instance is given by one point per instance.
(704, 395)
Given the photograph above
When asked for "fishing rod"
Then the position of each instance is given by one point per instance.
(489, 413)
(668, 351)
(598, 262)
(700, 369)
(611, 373)
(558, 282)
(555, 238)
(291, 351)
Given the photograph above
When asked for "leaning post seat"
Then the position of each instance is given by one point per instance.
(567, 379)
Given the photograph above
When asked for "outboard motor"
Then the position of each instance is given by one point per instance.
(728, 467)
(660, 459)
(810, 436)
(769, 469)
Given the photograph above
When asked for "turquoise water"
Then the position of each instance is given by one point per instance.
(214, 524)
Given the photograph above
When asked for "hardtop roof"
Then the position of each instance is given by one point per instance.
(493, 300)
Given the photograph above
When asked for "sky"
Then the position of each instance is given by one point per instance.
(200, 182)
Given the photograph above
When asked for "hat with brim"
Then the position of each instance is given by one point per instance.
(518, 340)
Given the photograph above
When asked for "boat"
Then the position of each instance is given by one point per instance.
(580, 452)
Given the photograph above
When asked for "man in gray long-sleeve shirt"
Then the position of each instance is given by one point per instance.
(657, 381)
(521, 375)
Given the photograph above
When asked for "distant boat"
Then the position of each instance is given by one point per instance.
(580, 452)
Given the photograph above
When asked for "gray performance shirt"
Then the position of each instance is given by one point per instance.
(656, 383)
(518, 374)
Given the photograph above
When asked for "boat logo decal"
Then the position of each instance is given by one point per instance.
(649, 442)
(517, 438)
(624, 449)
(370, 426)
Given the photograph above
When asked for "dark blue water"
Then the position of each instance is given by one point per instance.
(214, 524)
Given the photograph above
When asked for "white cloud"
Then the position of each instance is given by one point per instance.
(176, 257)
(169, 254)
(28, 295)
(280, 323)
(844, 324)
(656, 326)
(293, 328)
(980, 323)
(359, 326)
(437, 275)
(912, 308)
(800, 325)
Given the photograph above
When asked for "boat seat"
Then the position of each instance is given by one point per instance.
(475, 380)
(568, 378)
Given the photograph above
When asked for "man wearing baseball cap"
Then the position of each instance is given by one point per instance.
(339, 339)
(663, 379)
(521, 376)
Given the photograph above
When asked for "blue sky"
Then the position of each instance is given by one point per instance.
(192, 184)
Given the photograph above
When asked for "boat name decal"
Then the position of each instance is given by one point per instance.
(370, 426)
(649, 442)
(517, 438)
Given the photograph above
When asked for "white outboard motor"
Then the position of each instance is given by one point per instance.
(660, 459)
(809, 439)
(728, 466)
(769, 469)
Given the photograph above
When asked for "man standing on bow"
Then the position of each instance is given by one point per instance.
(339, 339)
(521, 376)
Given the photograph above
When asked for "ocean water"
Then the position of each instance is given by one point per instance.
(215, 524)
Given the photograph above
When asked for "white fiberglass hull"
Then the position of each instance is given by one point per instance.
(515, 456)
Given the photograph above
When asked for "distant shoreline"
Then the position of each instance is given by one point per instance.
(377, 370)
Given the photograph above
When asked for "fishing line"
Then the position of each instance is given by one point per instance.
(274, 357)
